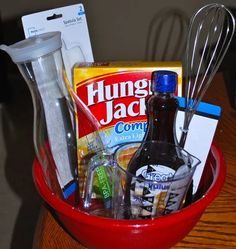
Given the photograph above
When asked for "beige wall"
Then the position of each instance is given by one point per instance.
(118, 29)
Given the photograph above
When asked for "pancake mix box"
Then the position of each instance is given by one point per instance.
(112, 98)
(111, 108)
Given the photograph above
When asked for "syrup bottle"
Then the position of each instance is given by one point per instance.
(161, 110)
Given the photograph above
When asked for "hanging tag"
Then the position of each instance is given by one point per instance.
(71, 22)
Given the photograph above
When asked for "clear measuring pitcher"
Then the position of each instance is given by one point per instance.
(39, 60)
(153, 191)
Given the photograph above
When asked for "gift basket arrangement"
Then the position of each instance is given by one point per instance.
(123, 154)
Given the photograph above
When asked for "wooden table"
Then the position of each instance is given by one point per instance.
(216, 228)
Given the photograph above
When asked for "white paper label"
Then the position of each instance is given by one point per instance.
(164, 195)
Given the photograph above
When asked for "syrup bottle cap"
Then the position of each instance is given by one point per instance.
(164, 81)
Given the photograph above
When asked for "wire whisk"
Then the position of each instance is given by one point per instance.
(210, 33)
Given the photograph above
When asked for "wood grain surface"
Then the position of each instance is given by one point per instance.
(217, 226)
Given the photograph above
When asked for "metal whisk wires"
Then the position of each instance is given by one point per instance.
(210, 33)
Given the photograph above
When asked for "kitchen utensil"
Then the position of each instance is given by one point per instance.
(39, 60)
(210, 33)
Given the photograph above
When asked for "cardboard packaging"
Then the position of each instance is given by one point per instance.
(114, 94)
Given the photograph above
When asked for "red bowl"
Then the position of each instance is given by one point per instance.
(102, 233)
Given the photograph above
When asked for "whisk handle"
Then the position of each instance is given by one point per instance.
(183, 138)
(188, 115)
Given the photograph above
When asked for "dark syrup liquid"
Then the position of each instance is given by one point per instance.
(161, 113)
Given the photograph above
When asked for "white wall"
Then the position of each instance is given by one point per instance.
(118, 29)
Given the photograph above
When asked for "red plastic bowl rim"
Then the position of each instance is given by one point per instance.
(197, 207)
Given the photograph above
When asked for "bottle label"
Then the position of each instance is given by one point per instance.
(158, 193)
